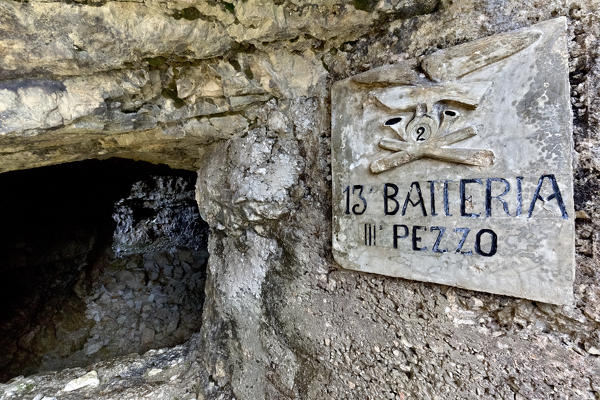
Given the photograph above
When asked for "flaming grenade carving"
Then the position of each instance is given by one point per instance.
(428, 113)
(426, 130)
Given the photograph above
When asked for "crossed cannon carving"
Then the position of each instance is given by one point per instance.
(423, 107)
(427, 131)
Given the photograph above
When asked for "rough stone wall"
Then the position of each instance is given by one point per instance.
(239, 91)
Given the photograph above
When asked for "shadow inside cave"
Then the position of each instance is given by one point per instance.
(98, 259)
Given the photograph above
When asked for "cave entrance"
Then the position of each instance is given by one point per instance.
(98, 259)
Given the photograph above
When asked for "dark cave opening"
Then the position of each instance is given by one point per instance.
(98, 259)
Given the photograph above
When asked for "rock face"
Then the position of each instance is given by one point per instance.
(443, 179)
(239, 92)
(79, 287)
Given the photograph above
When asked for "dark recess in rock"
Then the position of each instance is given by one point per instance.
(99, 259)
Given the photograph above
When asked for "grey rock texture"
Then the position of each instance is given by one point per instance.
(158, 215)
(240, 92)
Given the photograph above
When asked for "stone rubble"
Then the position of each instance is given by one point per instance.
(145, 291)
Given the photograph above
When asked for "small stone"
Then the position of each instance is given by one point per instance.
(90, 379)
(581, 214)
(476, 303)
(154, 371)
(147, 335)
(92, 348)
(366, 148)
(593, 350)
(277, 122)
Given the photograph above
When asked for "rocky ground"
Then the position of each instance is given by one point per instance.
(239, 91)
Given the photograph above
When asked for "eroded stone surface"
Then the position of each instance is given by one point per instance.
(464, 179)
(316, 331)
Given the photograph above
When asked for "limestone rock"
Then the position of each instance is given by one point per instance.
(404, 151)
(240, 92)
(89, 380)
(59, 38)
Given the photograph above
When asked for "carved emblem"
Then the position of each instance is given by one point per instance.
(427, 130)
(428, 113)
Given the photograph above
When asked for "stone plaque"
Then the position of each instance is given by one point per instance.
(457, 168)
